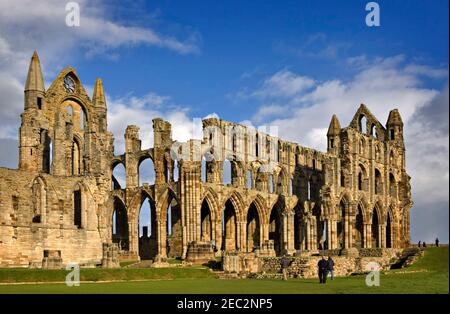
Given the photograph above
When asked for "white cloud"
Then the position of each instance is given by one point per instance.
(140, 111)
(284, 84)
(28, 25)
(428, 71)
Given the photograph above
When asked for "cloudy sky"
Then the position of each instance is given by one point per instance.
(291, 64)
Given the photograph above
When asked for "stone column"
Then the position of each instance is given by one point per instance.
(133, 237)
(329, 239)
(161, 225)
(382, 235)
(290, 237)
(334, 236)
(367, 235)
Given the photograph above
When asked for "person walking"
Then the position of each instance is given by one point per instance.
(285, 262)
(322, 265)
(330, 268)
(424, 244)
(437, 242)
(420, 242)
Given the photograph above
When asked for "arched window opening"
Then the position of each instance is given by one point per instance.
(320, 227)
(174, 230)
(227, 176)
(253, 229)
(275, 230)
(359, 240)
(249, 180)
(373, 130)
(389, 231)
(392, 185)
(341, 224)
(378, 183)
(118, 177)
(47, 148)
(120, 233)
(375, 229)
(147, 229)
(146, 171)
(391, 134)
(39, 201)
(76, 158)
(363, 124)
(77, 207)
(229, 228)
(205, 222)
(298, 230)
(360, 181)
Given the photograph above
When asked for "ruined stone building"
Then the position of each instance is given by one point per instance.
(282, 198)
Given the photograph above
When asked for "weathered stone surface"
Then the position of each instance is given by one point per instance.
(282, 198)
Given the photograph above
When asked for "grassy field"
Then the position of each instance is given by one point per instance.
(428, 275)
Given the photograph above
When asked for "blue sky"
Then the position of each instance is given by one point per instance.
(291, 64)
(261, 37)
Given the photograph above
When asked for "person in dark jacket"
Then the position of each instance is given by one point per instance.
(437, 242)
(322, 265)
(330, 268)
(285, 262)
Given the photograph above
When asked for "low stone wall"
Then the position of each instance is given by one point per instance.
(305, 266)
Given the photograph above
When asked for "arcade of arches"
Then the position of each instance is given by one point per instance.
(235, 190)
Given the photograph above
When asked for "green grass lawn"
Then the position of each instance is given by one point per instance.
(428, 275)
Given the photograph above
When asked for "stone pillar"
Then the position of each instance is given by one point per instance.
(161, 225)
(290, 237)
(241, 236)
(367, 235)
(334, 236)
(346, 230)
(382, 235)
(133, 237)
(328, 224)
(132, 145)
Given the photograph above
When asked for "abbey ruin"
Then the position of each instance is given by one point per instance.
(64, 203)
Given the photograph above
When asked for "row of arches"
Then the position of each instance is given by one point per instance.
(145, 173)
(363, 182)
(159, 230)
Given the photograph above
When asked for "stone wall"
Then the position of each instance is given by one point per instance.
(305, 266)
